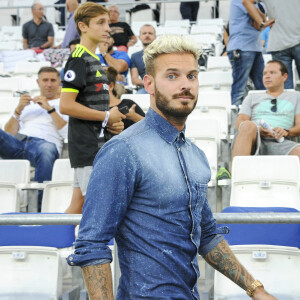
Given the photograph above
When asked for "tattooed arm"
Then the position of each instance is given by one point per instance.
(223, 260)
(98, 281)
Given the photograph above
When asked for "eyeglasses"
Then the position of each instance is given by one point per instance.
(274, 105)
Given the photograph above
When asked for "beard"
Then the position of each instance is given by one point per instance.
(162, 103)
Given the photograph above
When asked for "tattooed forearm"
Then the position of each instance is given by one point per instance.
(98, 281)
(222, 259)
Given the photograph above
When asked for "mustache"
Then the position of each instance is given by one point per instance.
(184, 94)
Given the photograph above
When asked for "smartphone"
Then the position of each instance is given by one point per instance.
(124, 110)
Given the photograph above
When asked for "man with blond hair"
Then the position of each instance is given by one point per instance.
(147, 192)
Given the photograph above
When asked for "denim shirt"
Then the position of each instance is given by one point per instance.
(148, 190)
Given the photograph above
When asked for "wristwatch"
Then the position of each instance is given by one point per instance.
(103, 54)
(250, 290)
(262, 25)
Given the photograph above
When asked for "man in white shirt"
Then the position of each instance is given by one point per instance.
(284, 39)
(36, 129)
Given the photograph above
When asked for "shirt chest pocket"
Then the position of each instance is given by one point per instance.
(198, 198)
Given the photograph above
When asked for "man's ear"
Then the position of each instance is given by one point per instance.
(82, 26)
(285, 76)
(149, 84)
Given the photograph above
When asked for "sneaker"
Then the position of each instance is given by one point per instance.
(223, 174)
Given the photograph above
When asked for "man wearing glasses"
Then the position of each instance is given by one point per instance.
(277, 107)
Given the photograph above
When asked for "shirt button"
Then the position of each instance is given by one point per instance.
(179, 149)
(193, 290)
(191, 235)
(71, 263)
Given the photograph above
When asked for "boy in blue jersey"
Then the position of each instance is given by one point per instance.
(85, 98)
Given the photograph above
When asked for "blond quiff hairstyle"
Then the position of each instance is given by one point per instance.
(168, 44)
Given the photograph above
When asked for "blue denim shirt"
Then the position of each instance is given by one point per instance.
(148, 189)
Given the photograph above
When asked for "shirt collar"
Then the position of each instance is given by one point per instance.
(164, 128)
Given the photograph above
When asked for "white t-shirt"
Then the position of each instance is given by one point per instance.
(285, 33)
(36, 122)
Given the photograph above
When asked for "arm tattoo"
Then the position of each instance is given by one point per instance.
(98, 281)
(223, 260)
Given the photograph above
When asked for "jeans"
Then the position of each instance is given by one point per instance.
(39, 152)
(287, 56)
(189, 10)
(248, 64)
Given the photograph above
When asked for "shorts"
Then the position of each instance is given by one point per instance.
(82, 177)
(270, 146)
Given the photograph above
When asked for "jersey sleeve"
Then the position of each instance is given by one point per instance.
(75, 76)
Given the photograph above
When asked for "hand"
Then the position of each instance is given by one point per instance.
(266, 133)
(103, 47)
(115, 116)
(24, 101)
(261, 294)
(131, 113)
(115, 128)
(42, 101)
(267, 23)
(280, 133)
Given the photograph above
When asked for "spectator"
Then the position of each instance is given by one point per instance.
(36, 130)
(279, 108)
(244, 51)
(114, 58)
(285, 33)
(37, 33)
(147, 192)
(71, 32)
(147, 36)
(85, 97)
(135, 113)
(120, 31)
(225, 40)
(189, 10)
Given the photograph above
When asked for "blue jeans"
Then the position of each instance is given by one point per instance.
(287, 56)
(189, 10)
(248, 64)
(39, 152)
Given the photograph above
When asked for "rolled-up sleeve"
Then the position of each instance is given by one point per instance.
(211, 236)
(109, 193)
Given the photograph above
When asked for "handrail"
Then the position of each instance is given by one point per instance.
(222, 218)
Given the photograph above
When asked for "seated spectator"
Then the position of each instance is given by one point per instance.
(37, 34)
(109, 57)
(71, 31)
(135, 113)
(36, 130)
(279, 108)
(147, 36)
(120, 31)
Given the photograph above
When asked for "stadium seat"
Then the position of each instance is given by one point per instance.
(58, 192)
(161, 30)
(265, 180)
(270, 252)
(12, 173)
(29, 68)
(7, 106)
(178, 23)
(143, 100)
(218, 63)
(215, 81)
(32, 261)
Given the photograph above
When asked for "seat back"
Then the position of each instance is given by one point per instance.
(265, 181)
(62, 170)
(57, 196)
(215, 80)
(143, 100)
(14, 171)
(9, 198)
(31, 262)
